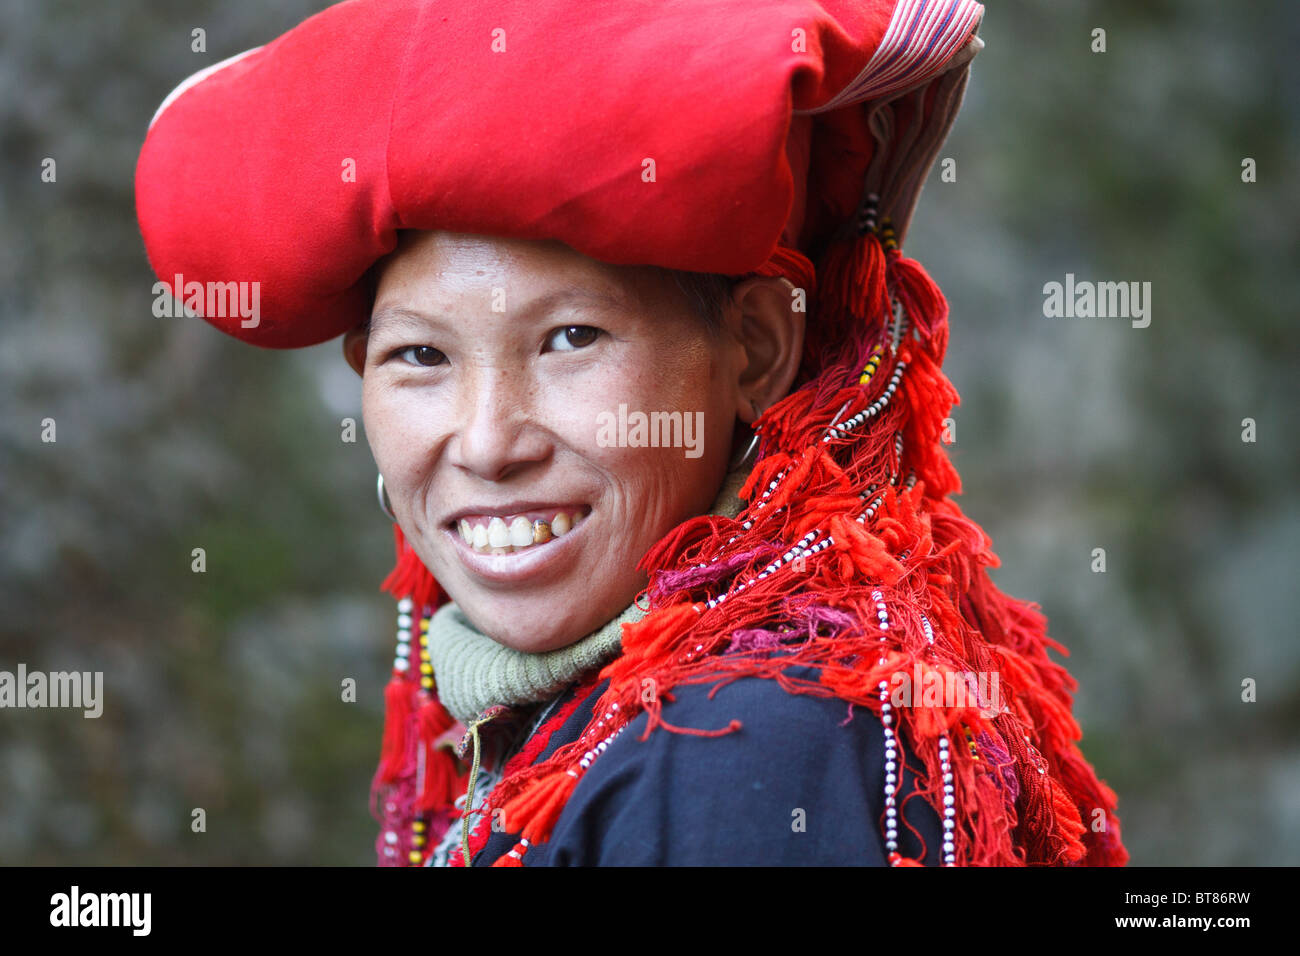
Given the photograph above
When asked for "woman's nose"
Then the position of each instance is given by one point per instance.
(496, 431)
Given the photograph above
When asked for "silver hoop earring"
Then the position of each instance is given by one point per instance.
(384, 504)
(753, 442)
(748, 451)
(744, 458)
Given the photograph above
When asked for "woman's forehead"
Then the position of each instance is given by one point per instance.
(440, 262)
(458, 255)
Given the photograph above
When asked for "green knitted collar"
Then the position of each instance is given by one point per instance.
(473, 671)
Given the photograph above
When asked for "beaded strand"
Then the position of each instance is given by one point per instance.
(949, 791)
(417, 838)
(891, 746)
(840, 429)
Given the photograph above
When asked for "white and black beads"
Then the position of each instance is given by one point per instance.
(402, 659)
(945, 767)
(801, 549)
(840, 429)
(891, 744)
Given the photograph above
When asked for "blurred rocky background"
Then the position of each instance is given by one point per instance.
(223, 688)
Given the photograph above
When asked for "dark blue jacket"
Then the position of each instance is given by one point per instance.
(683, 800)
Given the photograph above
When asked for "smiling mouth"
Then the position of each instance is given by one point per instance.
(509, 534)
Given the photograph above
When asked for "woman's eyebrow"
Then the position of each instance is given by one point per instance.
(599, 297)
(398, 316)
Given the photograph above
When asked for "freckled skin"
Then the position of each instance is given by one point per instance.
(509, 410)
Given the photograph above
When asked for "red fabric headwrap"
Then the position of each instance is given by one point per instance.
(688, 135)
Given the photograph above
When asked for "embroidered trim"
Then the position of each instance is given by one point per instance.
(922, 37)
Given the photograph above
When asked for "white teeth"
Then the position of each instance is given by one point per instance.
(498, 533)
(521, 532)
(498, 537)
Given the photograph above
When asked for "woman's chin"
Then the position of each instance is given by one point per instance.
(535, 626)
(531, 638)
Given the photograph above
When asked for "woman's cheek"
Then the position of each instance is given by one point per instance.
(398, 424)
(574, 407)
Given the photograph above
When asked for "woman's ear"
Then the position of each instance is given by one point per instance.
(354, 347)
(764, 318)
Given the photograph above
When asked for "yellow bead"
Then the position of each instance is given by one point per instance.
(418, 826)
(426, 668)
(418, 840)
(415, 856)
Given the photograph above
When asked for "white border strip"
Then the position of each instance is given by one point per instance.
(197, 78)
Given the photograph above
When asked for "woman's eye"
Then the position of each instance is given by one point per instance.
(572, 337)
(422, 355)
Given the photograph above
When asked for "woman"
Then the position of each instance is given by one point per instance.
(656, 402)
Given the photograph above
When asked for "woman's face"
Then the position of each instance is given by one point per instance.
(503, 382)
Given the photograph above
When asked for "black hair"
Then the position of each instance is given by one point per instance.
(707, 293)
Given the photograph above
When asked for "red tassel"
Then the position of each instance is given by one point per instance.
(513, 858)
(793, 265)
(541, 805)
(1069, 825)
(410, 578)
(922, 300)
(397, 713)
(853, 298)
(439, 786)
(433, 720)
(441, 779)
